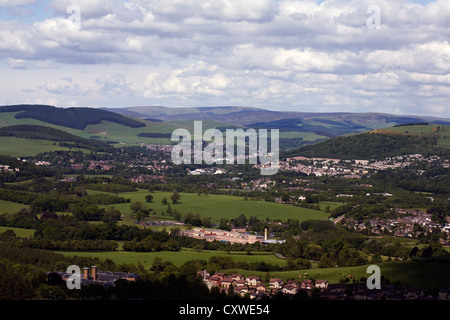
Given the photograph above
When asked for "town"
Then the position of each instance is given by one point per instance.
(253, 287)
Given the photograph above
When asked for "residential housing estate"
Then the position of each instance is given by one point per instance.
(253, 287)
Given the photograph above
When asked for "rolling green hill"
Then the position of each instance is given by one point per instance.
(380, 144)
(218, 206)
(439, 132)
(129, 127)
(35, 132)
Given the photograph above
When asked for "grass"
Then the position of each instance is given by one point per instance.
(177, 258)
(18, 147)
(10, 207)
(426, 130)
(22, 233)
(219, 206)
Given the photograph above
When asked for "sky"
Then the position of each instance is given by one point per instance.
(388, 56)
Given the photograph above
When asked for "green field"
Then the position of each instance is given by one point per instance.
(220, 206)
(10, 207)
(443, 134)
(18, 147)
(177, 258)
(20, 232)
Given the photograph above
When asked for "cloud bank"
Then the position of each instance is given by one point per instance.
(280, 55)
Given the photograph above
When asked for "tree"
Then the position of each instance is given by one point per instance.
(164, 201)
(326, 262)
(175, 197)
(111, 216)
(137, 206)
(413, 252)
(149, 198)
(240, 221)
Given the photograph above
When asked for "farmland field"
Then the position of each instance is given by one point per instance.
(220, 206)
(10, 207)
(17, 147)
(426, 130)
(177, 258)
(20, 232)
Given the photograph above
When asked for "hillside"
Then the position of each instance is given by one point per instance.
(436, 131)
(154, 125)
(65, 139)
(372, 145)
(324, 124)
(75, 118)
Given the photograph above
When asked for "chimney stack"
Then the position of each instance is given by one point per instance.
(94, 273)
(265, 234)
(86, 273)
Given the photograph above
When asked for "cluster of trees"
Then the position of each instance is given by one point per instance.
(337, 247)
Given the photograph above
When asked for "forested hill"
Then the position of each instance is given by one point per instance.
(370, 146)
(75, 118)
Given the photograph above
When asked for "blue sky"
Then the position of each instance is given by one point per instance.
(275, 54)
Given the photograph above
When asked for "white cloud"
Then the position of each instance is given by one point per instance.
(289, 54)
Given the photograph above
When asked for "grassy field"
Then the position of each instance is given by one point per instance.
(10, 207)
(220, 206)
(426, 130)
(22, 233)
(18, 147)
(177, 258)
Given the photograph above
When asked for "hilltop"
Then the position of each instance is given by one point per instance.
(378, 144)
(324, 124)
(154, 125)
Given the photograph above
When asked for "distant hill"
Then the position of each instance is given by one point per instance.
(154, 124)
(324, 124)
(75, 118)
